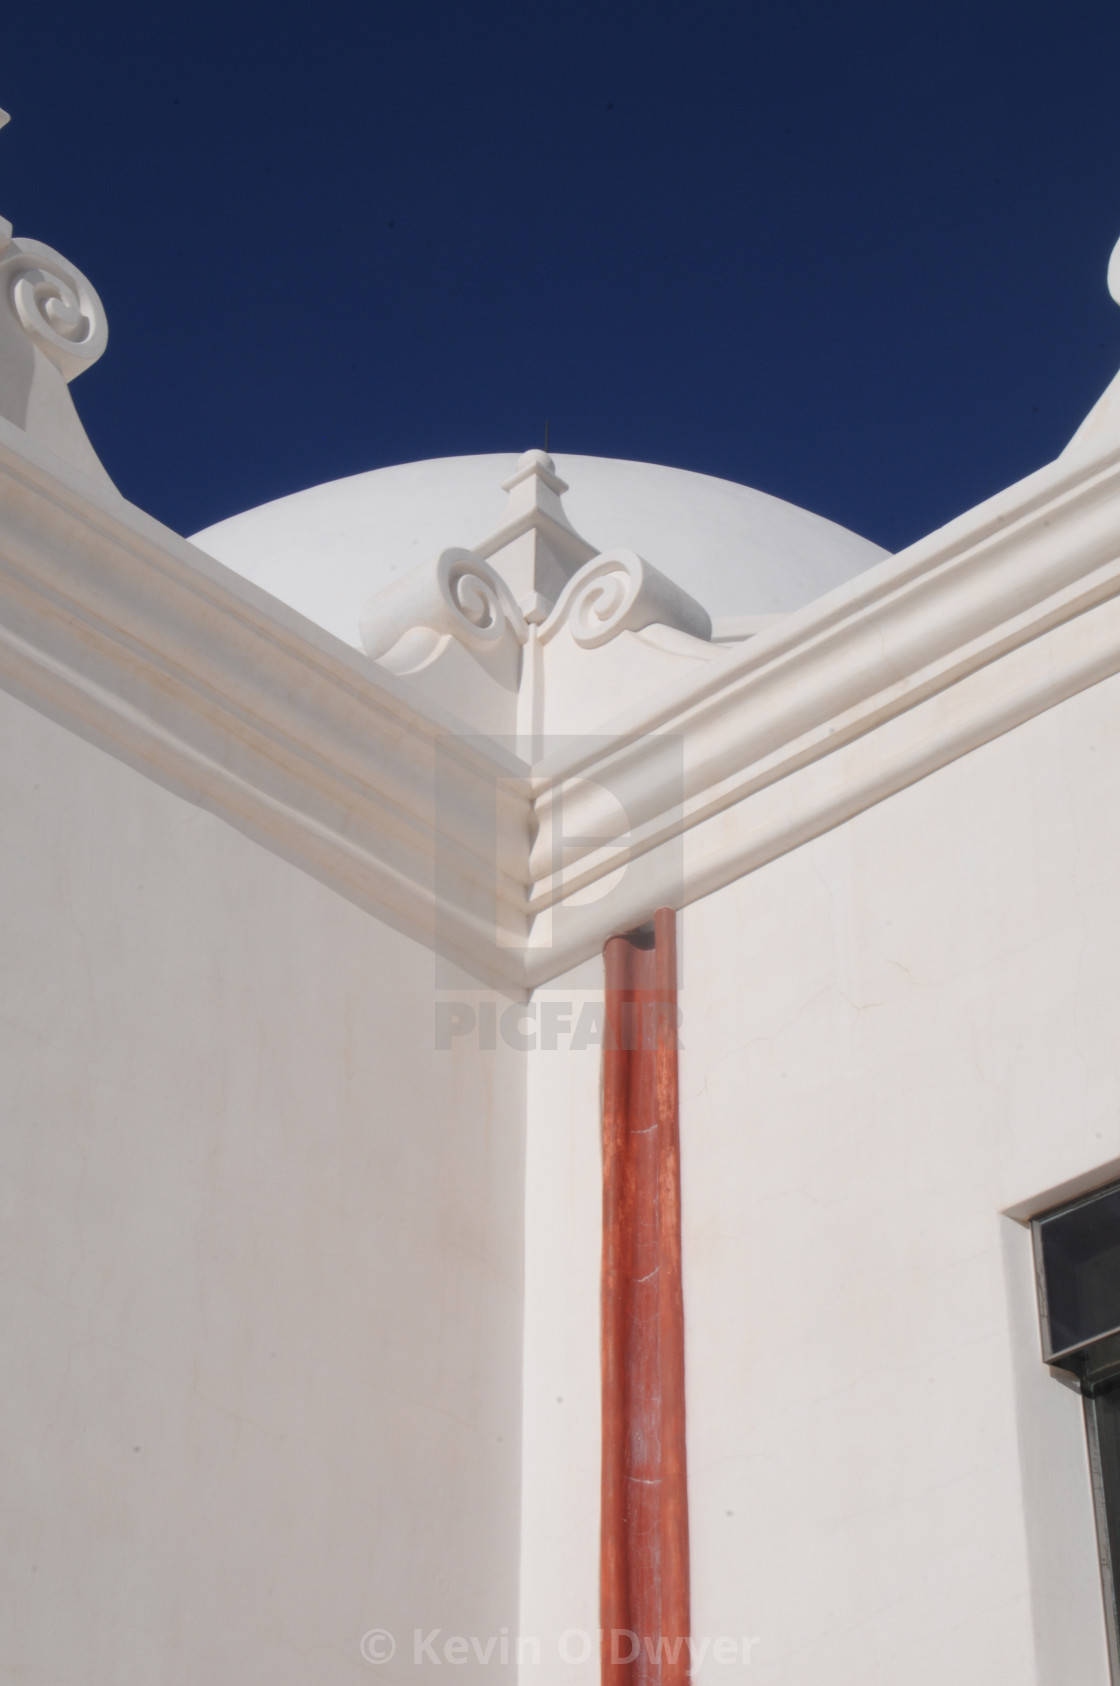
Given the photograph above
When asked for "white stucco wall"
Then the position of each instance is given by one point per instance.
(891, 1036)
(559, 1610)
(257, 1225)
(260, 1308)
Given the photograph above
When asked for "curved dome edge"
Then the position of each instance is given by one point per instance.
(739, 551)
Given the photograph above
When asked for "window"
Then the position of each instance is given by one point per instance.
(1077, 1261)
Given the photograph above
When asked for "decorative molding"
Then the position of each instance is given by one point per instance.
(455, 626)
(127, 634)
(536, 548)
(131, 637)
(618, 592)
(52, 327)
(1005, 612)
(57, 307)
(406, 627)
(459, 595)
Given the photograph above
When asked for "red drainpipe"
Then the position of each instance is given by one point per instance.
(644, 1576)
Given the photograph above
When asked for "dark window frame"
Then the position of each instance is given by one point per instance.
(1077, 1270)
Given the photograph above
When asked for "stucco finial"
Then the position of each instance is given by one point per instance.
(52, 326)
(536, 550)
(532, 459)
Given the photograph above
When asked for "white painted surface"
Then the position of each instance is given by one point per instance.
(738, 551)
(260, 1226)
(260, 1308)
(563, 1239)
(144, 644)
(532, 634)
(891, 1035)
(52, 327)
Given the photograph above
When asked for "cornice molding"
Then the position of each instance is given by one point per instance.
(131, 637)
(1003, 613)
(127, 634)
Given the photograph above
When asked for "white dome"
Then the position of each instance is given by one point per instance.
(737, 551)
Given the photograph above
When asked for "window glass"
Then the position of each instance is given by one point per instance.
(1077, 1254)
(1080, 1259)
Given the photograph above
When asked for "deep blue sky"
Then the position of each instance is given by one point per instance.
(853, 254)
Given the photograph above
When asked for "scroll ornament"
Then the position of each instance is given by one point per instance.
(55, 305)
(618, 592)
(407, 626)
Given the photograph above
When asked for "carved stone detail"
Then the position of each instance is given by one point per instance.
(618, 592)
(55, 305)
(52, 326)
(460, 596)
(406, 626)
(500, 635)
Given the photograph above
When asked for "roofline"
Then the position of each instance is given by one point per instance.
(141, 643)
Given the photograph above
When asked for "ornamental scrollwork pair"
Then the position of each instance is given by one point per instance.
(406, 626)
